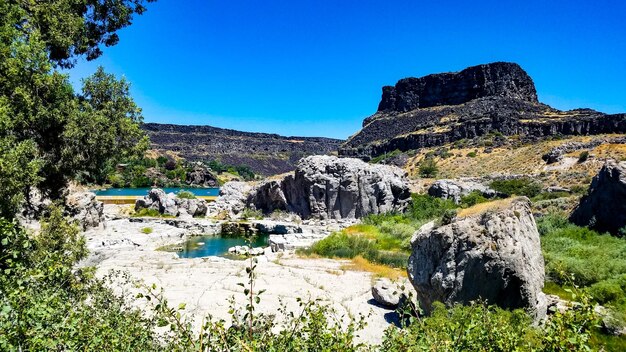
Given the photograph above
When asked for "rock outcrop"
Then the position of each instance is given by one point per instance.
(495, 256)
(231, 200)
(443, 108)
(85, 209)
(456, 189)
(497, 79)
(604, 206)
(387, 294)
(328, 187)
(201, 176)
(170, 204)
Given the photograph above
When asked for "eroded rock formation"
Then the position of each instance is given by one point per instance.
(604, 206)
(85, 209)
(170, 204)
(456, 189)
(443, 108)
(497, 79)
(495, 256)
(328, 187)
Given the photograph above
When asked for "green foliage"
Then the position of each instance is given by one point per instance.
(428, 168)
(53, 134)
(47, 304)
(241, 170)
(248, 213)
(108, 130)
(185, 195)
(478, 327)
(343, 245)
(591, 257)
(471, 154)
(147, 230)
(424, 207)
(550, 195)
(18, 170)
(475, 197)
(593, 261)
(385, 156)
(517, 186)
(583, 156)
(148, 213)
(464, 328)
(70, 28)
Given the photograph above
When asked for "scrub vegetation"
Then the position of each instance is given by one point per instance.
(50, 135)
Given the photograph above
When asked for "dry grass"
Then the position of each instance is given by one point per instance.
(482, 208)
(361, 264)
(525, 159)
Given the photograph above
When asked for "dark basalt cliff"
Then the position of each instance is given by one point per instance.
(264, 153)
(442, 108)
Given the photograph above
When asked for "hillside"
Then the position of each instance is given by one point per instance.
(498, 98)
(264, 153)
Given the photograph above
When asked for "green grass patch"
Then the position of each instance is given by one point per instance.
(145, 212)
(147, 230)
(185, 195)
(593, 261)
(518, 186)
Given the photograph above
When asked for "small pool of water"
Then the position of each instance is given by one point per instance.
(200, 192)
(205, 246)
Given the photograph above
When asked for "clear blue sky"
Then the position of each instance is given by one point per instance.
(316, 67)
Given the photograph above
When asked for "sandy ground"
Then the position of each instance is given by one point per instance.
(206, 284)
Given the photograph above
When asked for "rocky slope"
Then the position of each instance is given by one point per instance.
(443, 108)
(265, 154)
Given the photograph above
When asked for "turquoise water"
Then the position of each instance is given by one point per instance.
(201, 192)
(204, 246)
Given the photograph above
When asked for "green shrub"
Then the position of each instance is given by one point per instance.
(146, 230)
(424, 207)
(248, 213)
(471, 154)
(583, 156)
(148, 213)
(550, 195)
(428, 168)
(518, 186)
(185, 195)
(344, 245)
(476, 327)
(385, 156)
(591, 260)
(475, 197)
(140, 182)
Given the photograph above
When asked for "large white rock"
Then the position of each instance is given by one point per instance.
(328, 187)
(495, 256)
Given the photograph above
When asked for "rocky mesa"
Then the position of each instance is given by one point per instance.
(443, 108)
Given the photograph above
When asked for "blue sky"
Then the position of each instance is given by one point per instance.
(316, 67)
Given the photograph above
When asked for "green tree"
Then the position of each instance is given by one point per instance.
(49, 132)
(106, 129)
(71, 28)
(428, 168)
